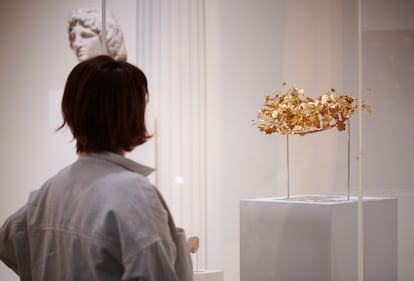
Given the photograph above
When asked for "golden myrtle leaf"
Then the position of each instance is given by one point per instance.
(366, 90)
(340, 125)
(366, 108)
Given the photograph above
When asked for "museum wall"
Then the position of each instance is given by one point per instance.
(388, 44)
(254, 46)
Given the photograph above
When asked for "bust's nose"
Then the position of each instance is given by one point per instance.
(77, 43)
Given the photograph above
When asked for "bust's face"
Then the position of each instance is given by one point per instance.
(84, 42)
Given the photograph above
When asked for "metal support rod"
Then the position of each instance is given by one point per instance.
(156, 154)
(197, 267)
(360, 162)
(349, 161)
(287, 164)
(103, 35)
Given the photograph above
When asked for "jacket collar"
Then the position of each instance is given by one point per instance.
(121, 161)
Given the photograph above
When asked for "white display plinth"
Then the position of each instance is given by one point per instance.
(208, 275)
(314, 238)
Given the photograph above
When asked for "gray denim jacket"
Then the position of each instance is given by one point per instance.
(97, 219)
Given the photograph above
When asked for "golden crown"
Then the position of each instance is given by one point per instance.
(290, 113)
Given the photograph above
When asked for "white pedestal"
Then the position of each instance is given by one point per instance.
(208, 275)
(314, 238)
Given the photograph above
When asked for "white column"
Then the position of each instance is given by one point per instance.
(171, 53)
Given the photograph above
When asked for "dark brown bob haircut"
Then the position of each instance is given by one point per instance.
(104, 105)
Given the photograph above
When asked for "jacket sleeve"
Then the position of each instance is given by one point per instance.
(13, 240)
(162, 254)
(164, 260)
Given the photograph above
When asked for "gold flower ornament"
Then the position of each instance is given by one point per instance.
(292, 113)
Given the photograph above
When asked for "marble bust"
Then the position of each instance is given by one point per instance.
(85, 34)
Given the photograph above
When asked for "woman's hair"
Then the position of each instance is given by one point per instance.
(104, 104)
(92, 18)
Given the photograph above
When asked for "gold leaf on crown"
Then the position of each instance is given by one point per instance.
(292, 113)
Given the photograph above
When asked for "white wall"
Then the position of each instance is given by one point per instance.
(171, 45)
(252, 47)
(388, 46)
